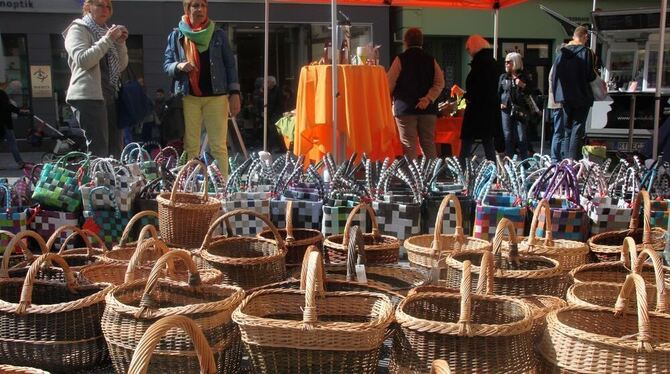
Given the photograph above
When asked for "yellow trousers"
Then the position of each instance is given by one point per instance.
(213, 111)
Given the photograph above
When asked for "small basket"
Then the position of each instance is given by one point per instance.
(581, 339)
(607, 246)
(184, 218)
(289, 331)
(473, 333)
(245, 262)
(424, 251)
(568, 253)
(180, 362)
(51, 325)
(379, 249)
(514, 275)
(134, 306)
(296, 240)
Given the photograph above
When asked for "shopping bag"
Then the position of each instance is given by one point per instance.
(45, 222)
(306, 213)
(400, 220)
(58, 186)
(335, 214)
(659, 213)
(607, 213)
(495, 207)
(569, 221)
(431, 205)
(139, 162)
(12, 219)
(258, 202)
(107, 224)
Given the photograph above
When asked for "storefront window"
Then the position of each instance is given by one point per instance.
(15, 54)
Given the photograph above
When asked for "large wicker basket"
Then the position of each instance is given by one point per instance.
(379, 249)
(425, 251)
(296, 240)
(607, 246)
(184, 218)
(568, 253)
(133, 307)
(473, 333)
(514, 275)
(290, 331)
(51, 325)
(124, 242)
(181, 362)
(581, 339)
(245, 262)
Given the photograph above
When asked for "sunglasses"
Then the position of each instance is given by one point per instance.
(508, 62)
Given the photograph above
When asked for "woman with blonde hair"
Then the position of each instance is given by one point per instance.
(97, 54)
(200, 61)
(513, 86)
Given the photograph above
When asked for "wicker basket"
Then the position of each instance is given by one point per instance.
(184, 217)
(123, 254)
(16, 265)
(514, 275)
(9, 369)
(296, 240)
(581, 339)
(473, 333)
(133, 307)
(130, 226)
(203, 362)
(51, 325)
(541, 305)
(568, 253)
(616, 271)
(245, 262)
(440, 367)
(607, 246)
(78, 258)
(289, 331)
(379, 249)
(605, 293)
(425, 251)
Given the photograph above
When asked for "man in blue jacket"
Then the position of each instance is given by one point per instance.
(573, 73)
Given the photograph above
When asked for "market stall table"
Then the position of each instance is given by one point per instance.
(365, 118)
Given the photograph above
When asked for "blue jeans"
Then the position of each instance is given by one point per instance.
(514, 132)
(575, 130)
(466, 149)
(13, 147)
(559, 146)
(127, 135)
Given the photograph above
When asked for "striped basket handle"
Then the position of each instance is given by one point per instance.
(636, 282)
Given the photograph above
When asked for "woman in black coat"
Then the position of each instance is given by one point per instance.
(482, 113)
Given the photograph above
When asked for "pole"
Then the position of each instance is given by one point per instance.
(266, 62)
(544, 118)
(334, 55)
(593, 34)
(659, 76)
(496, 15)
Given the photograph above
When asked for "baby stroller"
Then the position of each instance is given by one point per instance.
(68, 139)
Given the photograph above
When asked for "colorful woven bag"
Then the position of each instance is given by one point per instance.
(107, 224)
(12, 219)
(494, 208)
(58, 186)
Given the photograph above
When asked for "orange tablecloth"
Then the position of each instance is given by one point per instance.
(365, 119)
(448, 131)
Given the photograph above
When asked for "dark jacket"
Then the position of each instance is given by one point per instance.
(482, 113)
(573, 72)
(510, 93)
(415, 80)
(6, 110)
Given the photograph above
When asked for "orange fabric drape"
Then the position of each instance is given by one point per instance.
(365, 118)
(462, 4)
(448, 131)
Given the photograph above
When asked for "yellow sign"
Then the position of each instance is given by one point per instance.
(40, 78)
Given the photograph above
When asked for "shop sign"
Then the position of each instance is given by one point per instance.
(40, 6)
(40, 78)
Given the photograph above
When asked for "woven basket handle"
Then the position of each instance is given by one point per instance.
(355, 251)
(466, 300)
(635, 281)
(197, 164)
(505, 226)
(147, 302)
(460, 235)
(35, 267)
(657, 262)
(289, 222)
(224, 219)
(129, 226)
(629, 253)
(85, 234)
(18, 240)
(486, 274)
(138, 256)
(350, 221)
(148, 232)
(440, 367)
(642, 198)
(305, 267)
(548, 240)
(313, 287)
(145, 347)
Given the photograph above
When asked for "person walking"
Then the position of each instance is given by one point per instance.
(7, 126)
(415, 82)
(482, 112)
(97, 54)
(513, 85)
(200, 61)
(573, 72)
